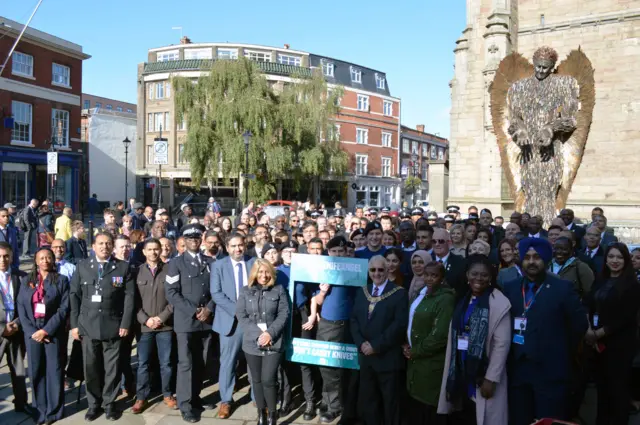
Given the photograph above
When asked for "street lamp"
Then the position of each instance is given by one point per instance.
(247, 139)
(126, 142)
(414, 158)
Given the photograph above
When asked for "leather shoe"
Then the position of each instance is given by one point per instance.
(272, 419)
(171, 402)
(310, 411)
(139, 407)
(322, 409)
(328, 417)
(112, 414)
(92, 414)
(225, 411)
(285, 409)
(262, 417)
(189, 417)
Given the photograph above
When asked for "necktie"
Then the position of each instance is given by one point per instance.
(589, 252)
(529, 294)
(440, 260)
(375, 291)
(240, 277)
(372, 305)
(58, 267)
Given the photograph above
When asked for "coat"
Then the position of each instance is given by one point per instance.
(456, 274)
(10, 236)
(268, 305)
(580, 274)
(63, 228)
(429, 330)
(76, 250)
(223, 292)
(151, 300)
(507, 274)
(16, 277)
(56, 301)
(494, 410)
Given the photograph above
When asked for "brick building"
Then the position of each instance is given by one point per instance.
(40, 91)
(368, 123)
(90, 101)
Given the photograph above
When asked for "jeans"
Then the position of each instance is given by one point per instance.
(264, 379)
(163, 341)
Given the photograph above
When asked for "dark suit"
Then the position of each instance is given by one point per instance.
(187, 289)
(102, 303)
(539, 369)
(498, 234)
(76, 250)
(595, 261)
(607, 238)
(13, 346)
(30, 219)
(578, 232)
(45, 363)
(455, 274)
(10, 236)
(381, 373)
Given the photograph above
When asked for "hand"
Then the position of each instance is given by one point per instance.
(264, 339)
(310, 323)
(39, 335)
(324, 287)
(158, 322)
(590, 338)
(123, 332)
(151, 323)
(487, 389)
(366, 348)
(204, 314)
(75, 333)
(406, 351)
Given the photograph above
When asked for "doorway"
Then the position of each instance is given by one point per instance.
(15, 182)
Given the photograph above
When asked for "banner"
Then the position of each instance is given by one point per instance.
(316, 269)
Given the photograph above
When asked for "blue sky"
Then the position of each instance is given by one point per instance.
(411, 40)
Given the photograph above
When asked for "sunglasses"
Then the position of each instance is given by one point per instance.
(439, 241)
(373, 270)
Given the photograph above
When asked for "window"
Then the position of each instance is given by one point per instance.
(414, 148)
(386, 140)
(169, 55)
(425, 150)
(98, 105)
(336, 100)
(129, 110)
(159, 90)
(61, 75)
(374, 193)
(333, 132)
(387, 108)
(327, 68)
(150, 155)
(362, 136)
(109, 107)
(181, 157)
(151, 88)
(227, 53)
(119, 108)
(157, 119)
(167, 122)
(167, 89)
(198, 54)
(182, 125)
(361, 165)
(440, 154)
(356, 75)
(380, 82)
(22, 64)
(405, 145)
(425, 171)
(289, 60)
(258, 56)
(87, 104)
(434, 152)
(60, 127)
(386, 167)
(363, 102)
(149, 122)
(21, 122)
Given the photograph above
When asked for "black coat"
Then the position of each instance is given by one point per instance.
(386, 330)
(596, 262)
(56, 301)
(76, 250)
(456, 275)
(102, 320)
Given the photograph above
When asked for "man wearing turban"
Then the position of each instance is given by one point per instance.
(548, 323)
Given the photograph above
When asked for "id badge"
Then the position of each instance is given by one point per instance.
(463, 343)
(520, 324)
(96, 298)
(596, 320)
(518, 339)
(40, 308)
(262, 326)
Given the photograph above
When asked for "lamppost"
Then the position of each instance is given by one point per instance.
(126, 142)
(414, 158)
(247, 139)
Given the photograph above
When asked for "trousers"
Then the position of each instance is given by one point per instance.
(45, 374)
(14, 348)
(264, 379)
(193, 349)
(164, 342)
(102, 372)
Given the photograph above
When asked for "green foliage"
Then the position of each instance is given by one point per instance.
(411, 184)
(293, 132)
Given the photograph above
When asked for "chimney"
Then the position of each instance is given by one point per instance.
(185, 40)
(286, 46)
(420, 128)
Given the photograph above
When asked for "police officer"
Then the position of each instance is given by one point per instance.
(102, 309)
(405, 215)
(187, 289)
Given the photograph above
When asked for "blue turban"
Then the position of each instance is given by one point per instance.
(541, 246)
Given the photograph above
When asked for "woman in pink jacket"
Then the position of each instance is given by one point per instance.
(474, 385)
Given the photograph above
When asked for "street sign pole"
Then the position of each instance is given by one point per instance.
(161, 157)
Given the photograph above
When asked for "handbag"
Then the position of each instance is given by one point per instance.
(45, 238)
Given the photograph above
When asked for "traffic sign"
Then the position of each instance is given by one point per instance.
(249, 176)
(160, 151)
(52, 162)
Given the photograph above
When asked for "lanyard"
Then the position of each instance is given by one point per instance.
(5, 290)
(528, 305)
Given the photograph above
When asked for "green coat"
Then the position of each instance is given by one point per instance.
(429, 335)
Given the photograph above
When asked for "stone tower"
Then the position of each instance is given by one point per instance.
(608, 31)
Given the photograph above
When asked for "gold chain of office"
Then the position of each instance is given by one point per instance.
(375, 300)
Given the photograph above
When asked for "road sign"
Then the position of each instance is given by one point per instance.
(249, 176)
(52, 162)
(160, 151)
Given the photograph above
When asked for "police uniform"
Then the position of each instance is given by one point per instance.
(187, 289)
(102, 302)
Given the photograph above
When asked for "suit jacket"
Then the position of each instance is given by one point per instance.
(30, 218)
(223, 291)
(386, 330)
(579, 233)
(102, 320)
(16, 277)
(543, 234)
(607, 239)
(498, 235)
(12, 239)
(556, 322)
(507, 274)
(455, 275)
(56, 301)
(596, 262)
(76, 250)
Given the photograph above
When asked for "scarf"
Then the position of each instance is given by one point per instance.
(467, 368)
(417, 283)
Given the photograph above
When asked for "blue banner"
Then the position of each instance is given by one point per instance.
(318, 269)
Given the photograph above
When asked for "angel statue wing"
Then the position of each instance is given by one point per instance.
(512, 68)
(578, 66)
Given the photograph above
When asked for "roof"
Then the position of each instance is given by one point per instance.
(421, 136)
(206, 64)
(342, 75)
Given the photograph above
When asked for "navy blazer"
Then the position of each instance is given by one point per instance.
(507, 274)
(223, 292)
(56, 301)
(12, 239)
(556, 321)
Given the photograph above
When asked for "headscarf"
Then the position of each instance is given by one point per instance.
(541, 246)
(417, 283)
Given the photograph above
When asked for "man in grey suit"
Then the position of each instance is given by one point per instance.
(228, 276)
(9, 234)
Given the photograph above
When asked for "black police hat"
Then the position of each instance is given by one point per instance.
(405, 214)
(338, 212)
(356, 233)
(373, 225)
(336, 241)
(193, 231)
(266, 248)
(417, 211)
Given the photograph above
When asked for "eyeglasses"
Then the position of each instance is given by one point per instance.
(439, 241)
(373, 270)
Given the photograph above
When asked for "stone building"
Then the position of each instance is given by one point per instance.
(608, 31)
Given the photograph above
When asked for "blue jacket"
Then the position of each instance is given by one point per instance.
(556, 321)
(223, 292)
(12, 239)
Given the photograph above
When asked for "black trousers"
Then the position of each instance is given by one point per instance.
(466, 416)
(380, 394)
(101, 371)
(301, 317)
(125, 362)
(45, 374)
(14, 348)
(193, 349)
(264, 379)
(418, 413)
(613, 382)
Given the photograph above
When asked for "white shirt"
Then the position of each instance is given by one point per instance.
(235, 274)
(380, 288)
(410, 248)
(602, 236)
(412, 310)
(5, 279)
(443, 259)
(593, 251)
(570, 226)
(537, 236)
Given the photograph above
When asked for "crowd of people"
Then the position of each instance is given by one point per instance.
(461, 321)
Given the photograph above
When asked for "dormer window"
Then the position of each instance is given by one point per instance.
(380, 81)
(356, 75)
(327, 68)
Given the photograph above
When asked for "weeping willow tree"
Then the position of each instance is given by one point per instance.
(293, 133)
